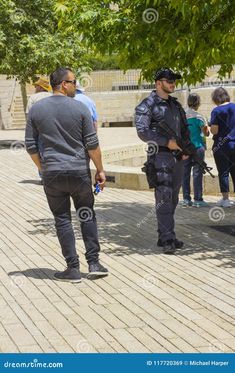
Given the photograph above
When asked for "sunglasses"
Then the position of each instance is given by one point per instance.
(71, 81)
(168, 81)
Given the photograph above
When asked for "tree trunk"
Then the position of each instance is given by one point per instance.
(24, 94)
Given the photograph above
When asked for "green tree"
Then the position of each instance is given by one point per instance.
(102, 62)
(31, 43)
(187, 35)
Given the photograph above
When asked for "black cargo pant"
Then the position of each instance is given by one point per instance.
(59, 187)
(169, 179)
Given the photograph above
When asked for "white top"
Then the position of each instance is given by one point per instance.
(35, 98)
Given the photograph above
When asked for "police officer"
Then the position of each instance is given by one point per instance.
(158, 108)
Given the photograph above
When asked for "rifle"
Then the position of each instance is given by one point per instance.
(185, 144)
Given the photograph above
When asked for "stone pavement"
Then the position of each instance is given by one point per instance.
(108, 136)
(122, 157)
(149, 303)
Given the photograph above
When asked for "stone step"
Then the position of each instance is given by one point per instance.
(19, 117)
(17, 123)
(18, 104)
(18, 126)
(18, 110)
(19, 113)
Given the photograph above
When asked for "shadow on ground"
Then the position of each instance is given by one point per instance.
(128, 228)
(6, 144)
(35, 182)
(37, 273)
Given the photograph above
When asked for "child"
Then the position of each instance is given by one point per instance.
(198, 129)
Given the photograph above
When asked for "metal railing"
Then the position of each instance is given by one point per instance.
(216, 83)
(114, 80)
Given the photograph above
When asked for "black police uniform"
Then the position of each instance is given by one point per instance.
(169, 171)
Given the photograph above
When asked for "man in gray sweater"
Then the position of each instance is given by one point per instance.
(65, 129)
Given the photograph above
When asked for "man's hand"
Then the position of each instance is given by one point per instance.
(172, 145)
(184, 157)
(37, 160)
(100, 178)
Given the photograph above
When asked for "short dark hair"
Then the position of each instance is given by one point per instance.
(194, 100)
(58, 76)
(220, 95)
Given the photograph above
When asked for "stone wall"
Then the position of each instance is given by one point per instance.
(120, 106)
(117, 106)
(7, 89)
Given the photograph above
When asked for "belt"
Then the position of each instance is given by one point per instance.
(164, 149)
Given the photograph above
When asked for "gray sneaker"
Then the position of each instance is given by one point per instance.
(97, 270)
(69, 275)
(186, 202)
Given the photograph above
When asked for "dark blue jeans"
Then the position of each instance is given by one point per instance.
(59, 187)
(197, 177)
(225, 163)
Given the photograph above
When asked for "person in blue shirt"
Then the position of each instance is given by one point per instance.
(222, 125)
(80, 96)
(198, 130)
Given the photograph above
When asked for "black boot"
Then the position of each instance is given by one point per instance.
(169, 247)
(178, 243)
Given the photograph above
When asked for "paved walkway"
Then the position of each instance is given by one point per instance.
(149, 303)
(108, 137)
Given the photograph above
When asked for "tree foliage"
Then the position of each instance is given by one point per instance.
(30, 41)
(187, 35)
(102, 61)
(36, 36)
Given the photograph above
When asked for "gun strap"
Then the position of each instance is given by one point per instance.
(165, 170)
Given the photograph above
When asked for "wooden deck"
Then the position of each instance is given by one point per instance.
(150, 302)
